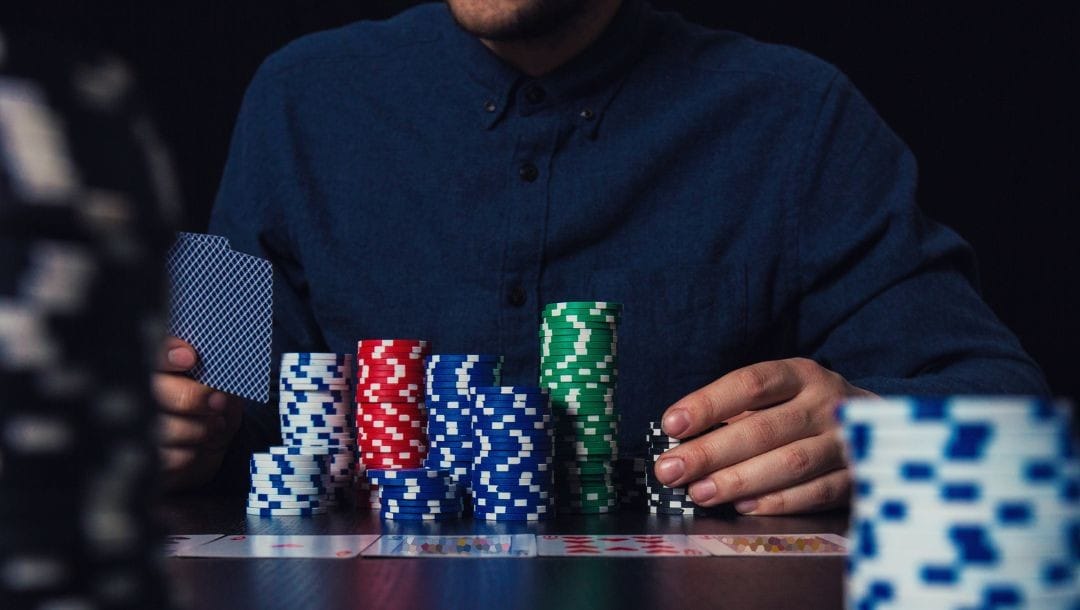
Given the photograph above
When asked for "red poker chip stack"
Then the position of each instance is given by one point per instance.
(390, 412)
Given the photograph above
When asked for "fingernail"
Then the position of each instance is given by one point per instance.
(668, 470)
(746, 506)
(181, 356)
(676, 422)
(703, 491)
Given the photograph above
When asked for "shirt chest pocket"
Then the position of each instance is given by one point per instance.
(682, 327)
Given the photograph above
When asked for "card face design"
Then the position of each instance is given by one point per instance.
(636, 545)
(221, 302)
(175, 544)
(283, 547)
(773, 545)
(473, 545)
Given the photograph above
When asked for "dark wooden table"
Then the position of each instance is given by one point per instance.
(544, 582)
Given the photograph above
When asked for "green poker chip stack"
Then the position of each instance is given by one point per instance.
(579, 369)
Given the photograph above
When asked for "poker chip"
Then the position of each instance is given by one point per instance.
(664, 510)
(982, 511)
(390, 515)
(485, 515)
(285, 512)
(260, 496)
(253, 503)
(512, 461)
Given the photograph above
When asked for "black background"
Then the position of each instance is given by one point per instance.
(983, 94)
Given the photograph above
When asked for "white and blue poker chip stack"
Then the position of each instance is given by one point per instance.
(417, 494)
(963, 503)
(449, 377)
(315, 408)
(288, 481)
(513, 458)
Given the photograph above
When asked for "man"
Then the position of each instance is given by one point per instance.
(421, 177)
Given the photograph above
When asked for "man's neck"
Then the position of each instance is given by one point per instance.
(541, 55)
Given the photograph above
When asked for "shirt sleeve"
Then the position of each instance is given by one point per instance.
(888, 298)
(251, 210)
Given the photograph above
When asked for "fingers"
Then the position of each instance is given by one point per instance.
(753, 387)
(176, 459)
(759, 433)
(830, 490)
(186, 431)
(181, 468)
(181, 396)
(176, 356)
(780, 468)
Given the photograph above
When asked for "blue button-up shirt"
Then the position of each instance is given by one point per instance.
(742, 201)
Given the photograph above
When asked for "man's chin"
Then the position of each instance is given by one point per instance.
(522, 22)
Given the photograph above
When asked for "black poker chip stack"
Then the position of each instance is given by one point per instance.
(630, 482)
(81, 295)
(663, 500)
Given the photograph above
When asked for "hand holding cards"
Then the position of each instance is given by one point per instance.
(221, 303)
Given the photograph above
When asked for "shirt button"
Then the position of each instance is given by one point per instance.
(517, 296)
(535, 94)
(489, 106)
(528, 172)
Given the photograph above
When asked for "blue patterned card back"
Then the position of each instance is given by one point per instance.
(222, 304)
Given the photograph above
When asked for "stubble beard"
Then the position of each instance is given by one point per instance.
(538, 19)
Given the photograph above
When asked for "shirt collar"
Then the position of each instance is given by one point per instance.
(589, 80)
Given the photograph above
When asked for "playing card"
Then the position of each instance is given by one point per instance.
(641, 545)
(222, 303)
(772, 545)
(283, 546)
(473, 545)
(178, 543)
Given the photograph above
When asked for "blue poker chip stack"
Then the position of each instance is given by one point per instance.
(963, 503)
(449, 377)
(288, 481)
(513, 458)
(315, 408)
(417, 494)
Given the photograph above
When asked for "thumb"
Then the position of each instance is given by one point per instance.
(176, 356)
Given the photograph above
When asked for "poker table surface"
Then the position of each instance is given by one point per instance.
(561, 583)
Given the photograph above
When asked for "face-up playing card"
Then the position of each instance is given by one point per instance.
(641, 545)
(472, 545)
(180, 543)
(222, 304)
(274, 546)
(773, 545)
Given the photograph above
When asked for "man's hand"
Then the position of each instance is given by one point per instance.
(781, 452)
(195, 422)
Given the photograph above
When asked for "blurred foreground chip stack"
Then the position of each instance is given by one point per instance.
(80, 321)
(963, 503)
